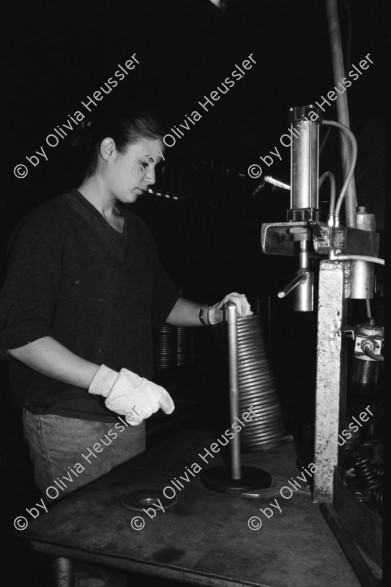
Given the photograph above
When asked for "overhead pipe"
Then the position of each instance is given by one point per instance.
(342, 107)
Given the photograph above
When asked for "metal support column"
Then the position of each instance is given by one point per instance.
(330, 377)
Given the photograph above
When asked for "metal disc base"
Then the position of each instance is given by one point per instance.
(219, 479)
(138, 500)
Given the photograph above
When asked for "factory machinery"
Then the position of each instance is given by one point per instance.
(345, 257)
(336, 264)
(336, 256)
(348, 449)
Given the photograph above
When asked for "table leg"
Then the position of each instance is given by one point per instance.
(63, 575)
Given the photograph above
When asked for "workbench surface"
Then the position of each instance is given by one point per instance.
(204, 539)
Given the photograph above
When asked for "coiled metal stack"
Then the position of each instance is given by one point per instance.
(364, 475)
(257, 388)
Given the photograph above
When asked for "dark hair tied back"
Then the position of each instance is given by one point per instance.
(83, 139)
(125, 124)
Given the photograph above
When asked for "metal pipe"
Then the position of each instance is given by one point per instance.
(369, 310)
(342, 106)
(304, 161)
(334, 257)
(233, 386)
(362, 273)
(368, 352)
(330, 176)
(304, 299)
(352, 164)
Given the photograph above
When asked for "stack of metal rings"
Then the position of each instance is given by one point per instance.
(172, 347)
(257, 388)
(364, 477)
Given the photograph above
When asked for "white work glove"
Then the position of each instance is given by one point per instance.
(130, 395)
(215, 313)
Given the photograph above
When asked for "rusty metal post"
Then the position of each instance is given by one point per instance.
(330, 375)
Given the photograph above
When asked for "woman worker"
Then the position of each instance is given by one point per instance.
(84, 289)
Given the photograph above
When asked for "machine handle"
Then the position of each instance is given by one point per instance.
(300, 278)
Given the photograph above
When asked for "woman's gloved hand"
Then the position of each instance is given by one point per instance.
(215, 313)
(130, 395)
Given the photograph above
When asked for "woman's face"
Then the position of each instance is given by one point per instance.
(127, 175)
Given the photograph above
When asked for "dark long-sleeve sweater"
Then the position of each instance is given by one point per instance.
(73, 277)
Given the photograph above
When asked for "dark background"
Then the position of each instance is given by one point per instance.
(57, 53)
